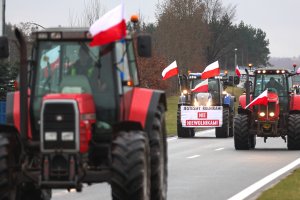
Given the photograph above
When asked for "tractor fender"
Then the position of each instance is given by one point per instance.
(144, 105)
(295, 103)
(13, 112)
(229, 102)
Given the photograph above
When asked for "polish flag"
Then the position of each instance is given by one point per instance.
(110, 27)
(201, 87)
(237, 71)
(170, 71)
(262, 99)
(211, 70)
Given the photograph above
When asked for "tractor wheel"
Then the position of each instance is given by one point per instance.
(223, 131)
(231, 123)
(252, 140)
(241, 132)
(130, 166)
(293, 142)
(29, 191)
(8, 155)
(181, 131)
(158, 149)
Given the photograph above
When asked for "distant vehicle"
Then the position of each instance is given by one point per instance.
(216, 96)
(279, 118)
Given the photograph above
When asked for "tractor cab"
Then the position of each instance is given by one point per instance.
(277, 82)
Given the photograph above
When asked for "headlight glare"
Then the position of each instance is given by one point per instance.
(271, 114)
(50, 136)
(262, 114)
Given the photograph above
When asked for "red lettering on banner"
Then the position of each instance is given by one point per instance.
(202, 122)
(202, 115)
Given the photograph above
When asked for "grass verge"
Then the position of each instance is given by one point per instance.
(287, 189)
(171, 115)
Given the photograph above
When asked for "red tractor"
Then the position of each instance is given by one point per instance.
(279, 118)
(72, 124)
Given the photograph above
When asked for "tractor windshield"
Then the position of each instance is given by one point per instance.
(273, 82)
(213, 88)
(74, 67)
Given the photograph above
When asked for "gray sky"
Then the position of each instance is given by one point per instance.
(279, 19)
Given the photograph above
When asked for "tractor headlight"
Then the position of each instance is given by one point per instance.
(50, 136)
(271, 114)
(196, 102)
(67, 136)
(184, 92)
(262, 114)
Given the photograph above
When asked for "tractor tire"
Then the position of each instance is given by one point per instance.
(223, 131)
(293, 142)
(183, 132)
(231, 123)
(241, 132)
(252, 139)
(131, 166)
(158, 149)
(29, 191)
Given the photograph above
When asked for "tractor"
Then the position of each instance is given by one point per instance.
(278, 117)
(216, 96)
(68, 126)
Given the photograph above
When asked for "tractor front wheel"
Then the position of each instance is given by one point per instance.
(293, 142)
(158, 149)
(223, 131)
(183, 132)
(241, 132)
(131, 166)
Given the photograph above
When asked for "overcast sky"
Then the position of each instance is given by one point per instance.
(279, 19)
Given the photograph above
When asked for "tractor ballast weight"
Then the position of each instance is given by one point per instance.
(218, 97)
(279, 118)
(65, 129)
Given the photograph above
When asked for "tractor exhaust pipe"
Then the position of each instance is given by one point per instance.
(23, 86)
(247, 87)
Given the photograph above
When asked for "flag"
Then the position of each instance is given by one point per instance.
(201, 87)
(110, 27)
(237, 71)
(211, 70)
(170, 71)
(262, 99)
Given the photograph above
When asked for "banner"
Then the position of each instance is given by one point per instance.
(201, 116)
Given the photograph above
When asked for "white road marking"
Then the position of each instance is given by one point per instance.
(194, 156)
(219, 149)
(172, 138)
(256, 186)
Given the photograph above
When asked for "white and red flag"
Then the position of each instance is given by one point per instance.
(211, 70)
(170, 71)
(262, 99)
(201, 87)
(237, 71)
(110, 27)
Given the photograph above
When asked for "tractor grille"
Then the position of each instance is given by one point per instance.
(59, 125)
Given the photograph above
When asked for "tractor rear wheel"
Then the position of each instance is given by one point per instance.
(231, 123)
(223, 131)
(131, 166)
(241, 132)
(158, 149)
(293, 142)
(183, 132)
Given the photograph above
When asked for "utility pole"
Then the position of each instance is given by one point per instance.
(3, 18)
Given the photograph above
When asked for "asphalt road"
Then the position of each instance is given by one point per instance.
(211, 169)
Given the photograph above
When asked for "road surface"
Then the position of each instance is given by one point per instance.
(205, 167)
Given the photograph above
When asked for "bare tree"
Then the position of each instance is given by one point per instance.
(92, 10)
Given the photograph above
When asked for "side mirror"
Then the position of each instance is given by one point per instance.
(144, 46)
(4, 52)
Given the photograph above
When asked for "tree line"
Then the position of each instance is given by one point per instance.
(195, 33)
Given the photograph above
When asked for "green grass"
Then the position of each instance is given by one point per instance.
(171, 116)
(287, 189)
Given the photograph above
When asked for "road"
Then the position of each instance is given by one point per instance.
(205, 167)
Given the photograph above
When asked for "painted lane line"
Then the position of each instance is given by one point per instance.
(194, 156)
(256, 186)
(219, 149)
